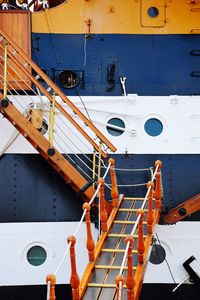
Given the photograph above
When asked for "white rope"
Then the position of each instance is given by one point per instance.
(137, 221)
(120, 291)
(129, 185)
(48, 290)
(79, 225)
(131, 170)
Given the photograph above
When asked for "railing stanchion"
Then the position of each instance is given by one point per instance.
(52, 279)
(103, 213)
(158, 192)
(114, 189)
(74, 280)
(150, 207)
(130, 282)
(140, 245)
(51, 122)
(5, 69)
(90, 242)
(119, 283)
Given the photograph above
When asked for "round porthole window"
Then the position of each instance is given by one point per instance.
(158, 254)
(68, 79)
(153, 127)
(153, 11)
(115, 126)
(36, 255)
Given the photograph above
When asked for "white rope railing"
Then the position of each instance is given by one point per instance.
(57, 134)
(78, 228)
(134, 229)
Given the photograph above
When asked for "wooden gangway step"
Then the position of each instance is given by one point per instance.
(126, 222)
(111, 267)
(122, 235)
(116, 250)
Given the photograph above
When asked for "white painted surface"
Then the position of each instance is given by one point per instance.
(180, 116)
(180, 242)
(17, 238)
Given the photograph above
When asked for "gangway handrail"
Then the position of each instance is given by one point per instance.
(56, 91)
(53, 275)
(120, 282)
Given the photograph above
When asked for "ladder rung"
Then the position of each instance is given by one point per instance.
(116, 250)
(123, 235)
(111, 267)
(130, 210)
(103, 285)
(133, 199)
(126, 222)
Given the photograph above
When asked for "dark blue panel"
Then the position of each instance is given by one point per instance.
(153, 64)
(32, 191)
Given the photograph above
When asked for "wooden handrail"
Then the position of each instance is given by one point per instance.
(59, 92)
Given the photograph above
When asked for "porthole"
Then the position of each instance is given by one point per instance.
(153, 11)
(68, 79)
(158, 254)
(153, 127)
(36, 255)
(119, 126)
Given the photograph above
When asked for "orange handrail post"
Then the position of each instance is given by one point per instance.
(52, 279)
(74, 279)
(90, 242)
(119, 279)
(130, 282)
(140, 245)
(150, 209)
(103, 213)
(158, 192)
(114, 189)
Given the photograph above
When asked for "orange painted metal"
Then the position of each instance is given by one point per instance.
(158, 192)
(119, 279)
(90, 242)
(183, 210)
(52, 279)
(88, 271)
(130, 282)
(140, 245)
(150, 207)
(74, 280)
(114, 189)
(103, 212)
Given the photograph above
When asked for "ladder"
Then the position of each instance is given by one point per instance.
(118, 262)
(19, 75)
